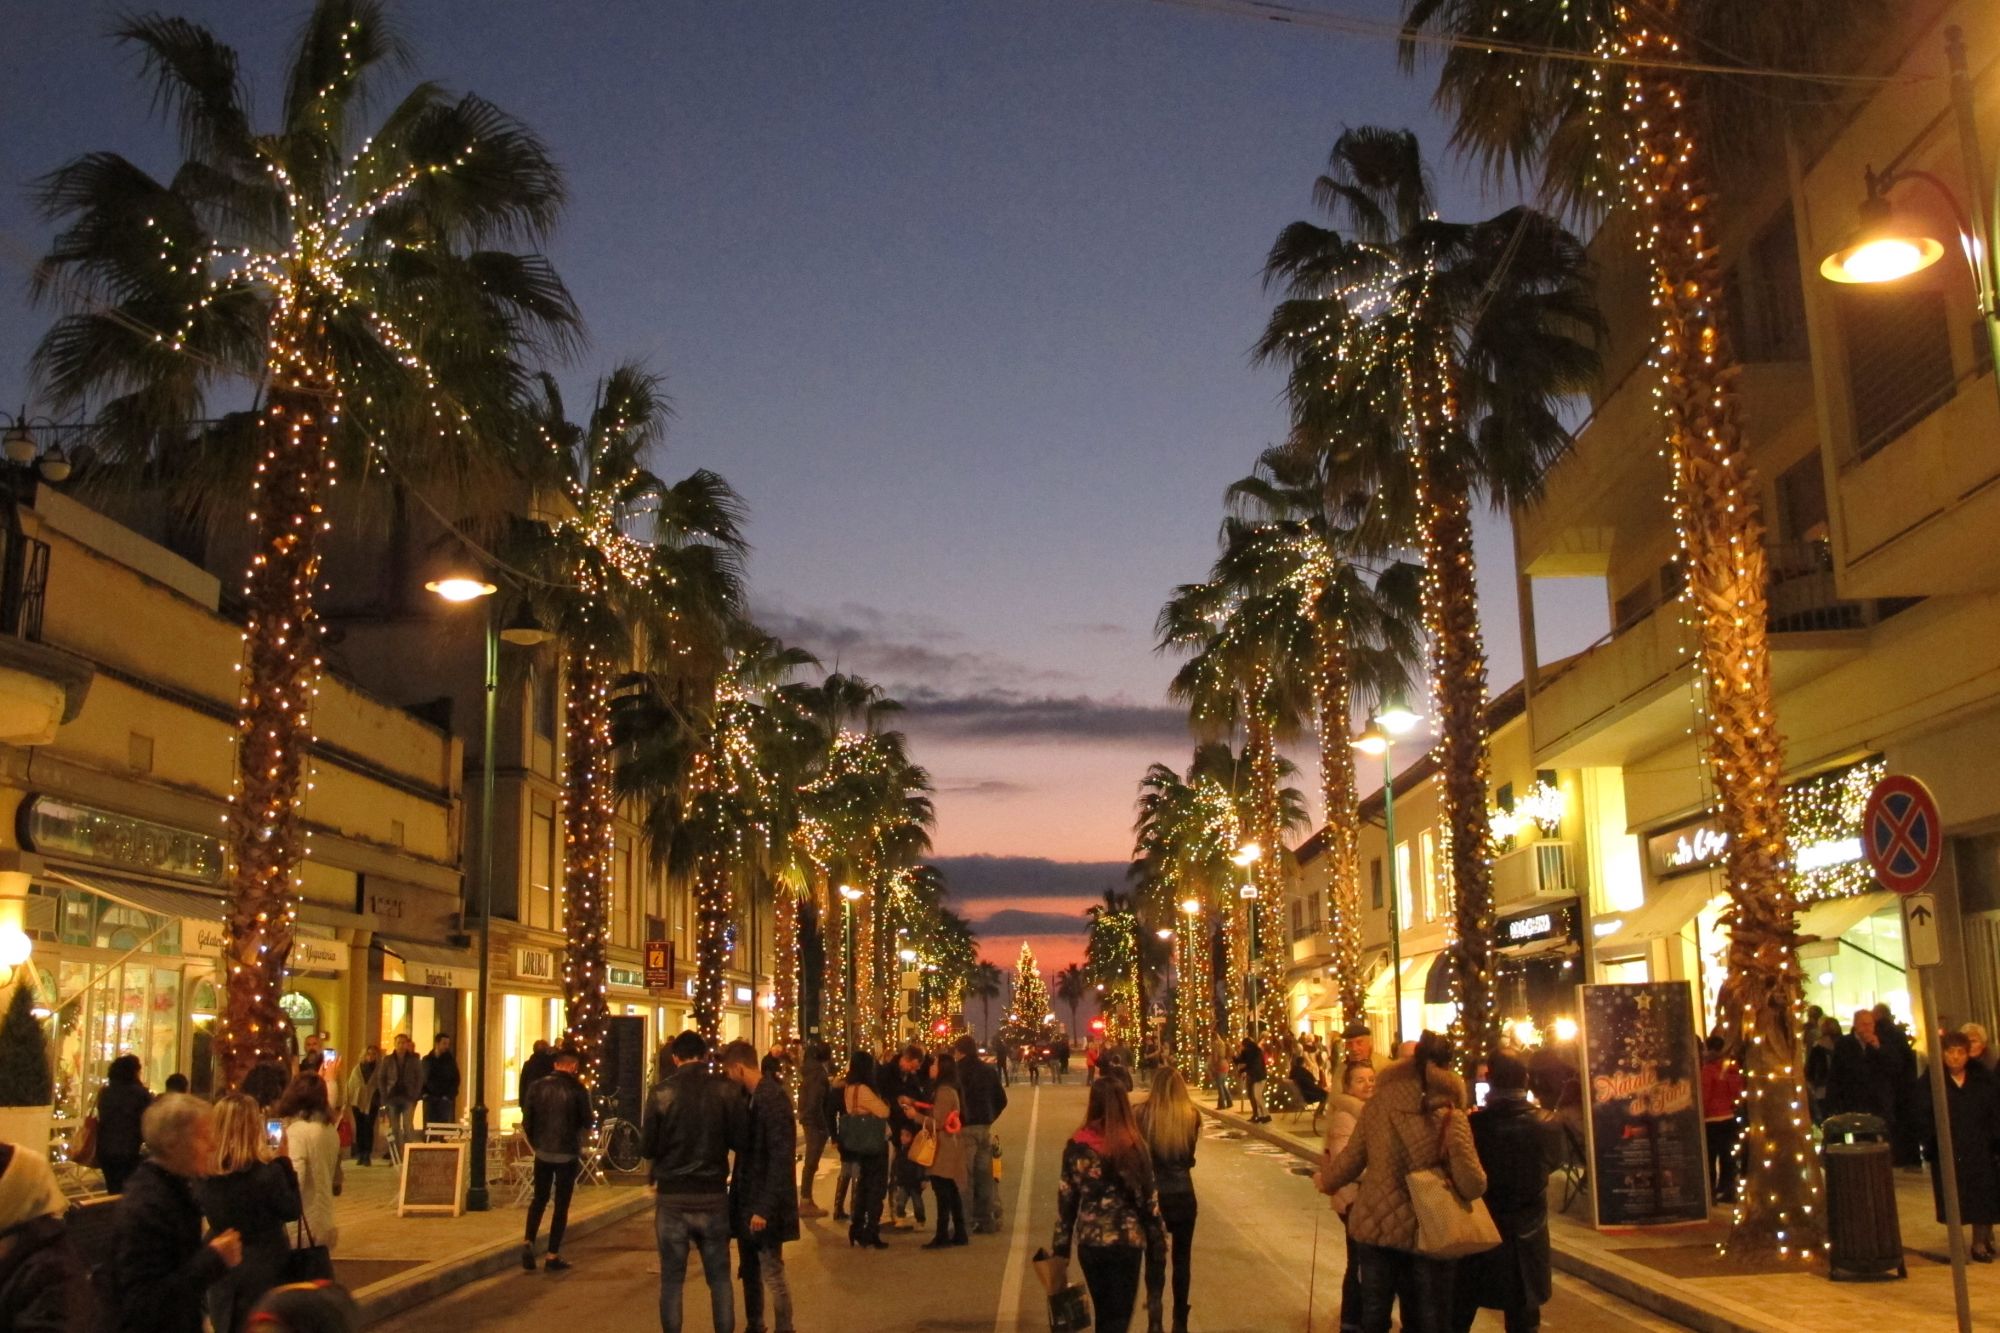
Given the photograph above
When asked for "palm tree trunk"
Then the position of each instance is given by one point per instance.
(1722, 532)
(866, 965)
(711, 940)
(1260, 752)
(1334, 705)
(280, 670)
(1458, 670)
(589, 840)
(888, 968)
(1194, 997)
(785, 963)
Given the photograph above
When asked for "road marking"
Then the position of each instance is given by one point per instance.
(1008, 1317)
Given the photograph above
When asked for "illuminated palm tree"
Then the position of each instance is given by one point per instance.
(344, 273)
(984, 984)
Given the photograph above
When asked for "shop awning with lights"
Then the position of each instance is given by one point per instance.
(439, 965)
(1668, 910)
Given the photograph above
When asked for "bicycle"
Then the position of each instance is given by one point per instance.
(617, 1139)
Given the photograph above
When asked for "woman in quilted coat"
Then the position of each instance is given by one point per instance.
(1414, 1122)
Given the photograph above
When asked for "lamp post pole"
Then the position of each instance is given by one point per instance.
(476, 1196)
(1395, 900)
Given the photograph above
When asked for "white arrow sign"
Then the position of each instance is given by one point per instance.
(1920, 932)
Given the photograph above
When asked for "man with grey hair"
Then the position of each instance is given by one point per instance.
(161, 1266)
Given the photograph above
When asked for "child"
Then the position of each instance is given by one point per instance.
(907, 1187)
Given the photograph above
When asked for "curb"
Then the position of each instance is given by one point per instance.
(405, 1291)
(1630, 1283)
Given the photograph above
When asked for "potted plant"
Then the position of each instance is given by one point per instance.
(27, 1086)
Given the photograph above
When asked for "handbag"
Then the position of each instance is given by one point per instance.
(924, 1145)
(307, 1260)
(864, 1135)
(84, 1151)
(1069, 1311)
(1448, 1226)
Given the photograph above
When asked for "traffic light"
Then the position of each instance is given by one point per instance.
(1097, 1025)
(941, 1027)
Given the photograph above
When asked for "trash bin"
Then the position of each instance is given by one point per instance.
(1864, 1234)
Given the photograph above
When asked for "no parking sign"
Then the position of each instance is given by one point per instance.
(1902, 834)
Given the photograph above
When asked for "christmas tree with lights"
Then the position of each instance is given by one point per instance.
(1028, 1014)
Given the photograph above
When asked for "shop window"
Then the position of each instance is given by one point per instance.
(1898, 345)
(1375, 883)
(1298, 919)
(1403, 887)
(1427, 864)
(204, 1004)
(302, 1014)
(541, 867)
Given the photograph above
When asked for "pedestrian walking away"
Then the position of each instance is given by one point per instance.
(400, 1082)
(864, 1136)
(1514, 1277)
(255, 1193)
(162, 1267)
(981, 1102)
(1721, 1105)
(1108, 1209)
(763, 1206)
(441, 1081)
(1357, 1085)
(364, 1101)
(1414, 1122)
(693, 1121)
(312, 1145)
(555, 1119)
(814, 1080)
(944, 1121)
(1172, 1127)
(121, 1105)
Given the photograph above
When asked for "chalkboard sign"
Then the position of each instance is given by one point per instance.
(623, 1081)
(433, 1180)
(1642, 1073)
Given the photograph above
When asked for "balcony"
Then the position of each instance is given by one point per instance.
(1311, 946)
(40, 687)
(1541, 870)
(1627, 694)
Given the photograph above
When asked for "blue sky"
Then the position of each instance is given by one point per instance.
(958, 295)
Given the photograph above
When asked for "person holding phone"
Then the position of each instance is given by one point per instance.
(253, 1192)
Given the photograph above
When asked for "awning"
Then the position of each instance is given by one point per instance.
(434, 964)
(1826, 922)
(1437, 981)
(160, 901)
(1669, 909)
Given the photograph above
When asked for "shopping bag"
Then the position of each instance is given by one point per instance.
(84, 1151)
(1069, 1310)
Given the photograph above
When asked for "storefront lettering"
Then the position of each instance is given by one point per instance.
(444, 978)
(1647, 1093)
(63, 828)
(535, 964)
(1531, 927)
(201, 938)
(1682, 850)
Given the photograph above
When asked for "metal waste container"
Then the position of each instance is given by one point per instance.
(1864, 1234)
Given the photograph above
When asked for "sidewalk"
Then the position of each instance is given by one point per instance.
(1674, 1272)
(391, 1263)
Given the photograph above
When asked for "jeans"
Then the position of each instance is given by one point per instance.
(1350, 1289)
(402, 1123)
(437, 1110)
(984, 1214)
(950, 1209)
(674, 1229)
(871, 1187)
(1399, 1280)
(1257, 1100)
(809, 1165)
(1178, 1211)
(763, 1272)
(1223, 1101)
(561, 1177)
(364, 1138)
(1112, 1273)
(1721, 1135)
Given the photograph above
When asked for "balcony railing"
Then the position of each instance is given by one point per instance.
(24, 583)
(1545, 869)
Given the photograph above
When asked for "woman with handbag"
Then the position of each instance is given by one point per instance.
(1420, 1176)
(864, 1134)
(121, 1105)
(313, 1146)
(256, 1194)
(1107, 1206)
(1357, 1085)
(947, 1168)
(1514, 1276)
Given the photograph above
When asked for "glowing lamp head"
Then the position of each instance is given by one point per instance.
(1373, 741)
(850, 893)
(1564, 1029)
(1397, 719)
(1248, 854)
(1165, 932)
(15, 946)
(907, 955)
(1882, 248)
(18, 444)
(1192, 906)
(461, 588)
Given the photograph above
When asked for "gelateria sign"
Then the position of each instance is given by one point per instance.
(206, 939)
(60, 828)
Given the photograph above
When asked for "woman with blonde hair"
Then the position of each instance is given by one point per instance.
(254, 1192)
(1172, 1127)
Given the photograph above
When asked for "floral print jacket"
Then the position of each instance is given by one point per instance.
(1096, 1205)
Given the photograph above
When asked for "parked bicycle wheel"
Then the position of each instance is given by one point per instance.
(621, 1145)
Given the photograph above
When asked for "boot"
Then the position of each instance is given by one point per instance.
(807, 1208)
(840, 1197)
(1180, 1319)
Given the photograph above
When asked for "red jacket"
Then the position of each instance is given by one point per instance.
(1721, 1089)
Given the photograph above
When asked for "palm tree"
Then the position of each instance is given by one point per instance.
(984, 984)
(1430, 361)
(634, 573)
(1363, 630)
(1071, 987)
(344, 275)
(1651, 134)
(1111, 955)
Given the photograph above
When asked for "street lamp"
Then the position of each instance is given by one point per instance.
(521, 629)
(1887, 246)
(1379, 738)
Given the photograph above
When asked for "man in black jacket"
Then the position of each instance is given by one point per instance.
(541, 1060)
(903, 1088)
(555, 1116)
(981, 1099)
(694, 1119)
(161, 1269)
(440, 1083)
(763, 1207)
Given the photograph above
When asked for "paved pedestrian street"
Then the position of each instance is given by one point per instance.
(1267, 1256)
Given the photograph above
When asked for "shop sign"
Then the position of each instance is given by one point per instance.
(201, 938)
(744, 995)
(1682, 850)
(62, 828)
(626, 976)
(1533, 927)
(659, 964)
(442, 976)
(535, 964)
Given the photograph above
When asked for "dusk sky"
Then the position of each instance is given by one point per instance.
(958, 296)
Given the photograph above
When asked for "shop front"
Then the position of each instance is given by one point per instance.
(1537, 963)
(527, 985)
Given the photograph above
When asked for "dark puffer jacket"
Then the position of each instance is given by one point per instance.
(43, 1285)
